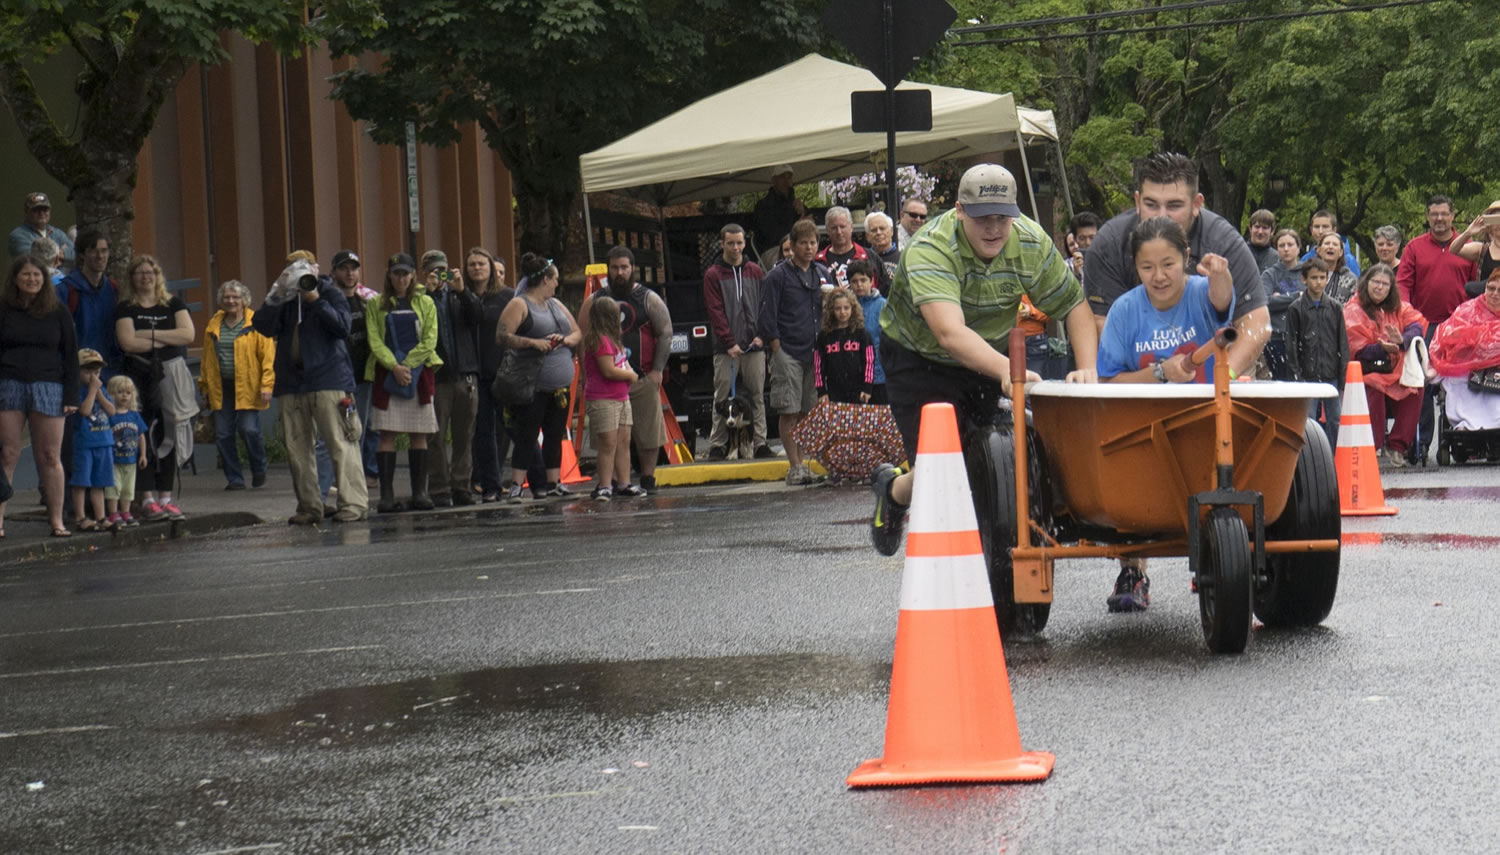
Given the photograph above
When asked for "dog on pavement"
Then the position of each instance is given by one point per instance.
(739, 424)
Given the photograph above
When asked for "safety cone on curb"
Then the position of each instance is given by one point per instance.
(1355, 460)
(571, 474)
(951, 718)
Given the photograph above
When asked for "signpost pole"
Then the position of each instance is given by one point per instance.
(888, 26)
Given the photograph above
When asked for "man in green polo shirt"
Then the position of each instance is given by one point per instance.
(953, 302)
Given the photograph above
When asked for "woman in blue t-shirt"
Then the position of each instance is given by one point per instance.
(1152, 330)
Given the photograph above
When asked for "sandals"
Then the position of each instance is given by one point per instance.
(85, 525)
(61, 532)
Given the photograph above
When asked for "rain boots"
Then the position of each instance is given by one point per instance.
(386, 462)
(420, 501)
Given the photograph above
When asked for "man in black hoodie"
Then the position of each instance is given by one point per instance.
(460, 315)
(731, 295)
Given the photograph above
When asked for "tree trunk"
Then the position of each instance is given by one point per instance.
(104, 203)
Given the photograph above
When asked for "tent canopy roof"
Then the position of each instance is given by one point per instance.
(683, 156)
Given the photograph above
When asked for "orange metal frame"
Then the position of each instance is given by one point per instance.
(1035, 561)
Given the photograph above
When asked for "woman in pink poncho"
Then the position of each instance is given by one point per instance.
(1381, 323)
(1470, 341)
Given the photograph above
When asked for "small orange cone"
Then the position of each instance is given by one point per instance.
(951, 717)
(1360, 493)
(571, 474)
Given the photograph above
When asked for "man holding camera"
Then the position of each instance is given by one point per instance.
(460, 314)
(309, 320)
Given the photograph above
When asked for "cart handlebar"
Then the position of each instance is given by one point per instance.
(1223, 338)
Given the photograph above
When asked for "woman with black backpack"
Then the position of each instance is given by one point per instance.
(544, 336)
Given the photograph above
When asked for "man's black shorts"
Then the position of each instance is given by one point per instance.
(912, 380)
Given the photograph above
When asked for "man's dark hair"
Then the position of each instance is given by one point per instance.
(1439, 199)
(731, 229)
(620, 252)
(1263, 217)
(1324, 212)
(1167, 167)
(861, 267)
(1086, 219)
(87, 240)
(1164, 228)
(1314, 263)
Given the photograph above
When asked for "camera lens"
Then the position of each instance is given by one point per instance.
(308, 282)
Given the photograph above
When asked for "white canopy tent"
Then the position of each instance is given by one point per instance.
(725, 144)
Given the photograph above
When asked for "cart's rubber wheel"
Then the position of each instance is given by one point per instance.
(1224, 581)
(1298, 588)
(990, 456)
(1444, 458)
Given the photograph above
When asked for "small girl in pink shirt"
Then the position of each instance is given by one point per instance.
(606, 395)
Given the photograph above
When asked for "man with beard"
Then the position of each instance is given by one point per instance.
(646, 328)
(1167, 186)
(1432, 280)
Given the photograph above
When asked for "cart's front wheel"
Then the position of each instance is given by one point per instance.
(991, 459)
(1224, 583)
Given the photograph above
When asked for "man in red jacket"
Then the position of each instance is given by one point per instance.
(731, 294)
(1432, 280)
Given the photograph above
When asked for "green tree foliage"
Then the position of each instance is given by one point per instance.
(1363, 113)
(548, 80)
(134, 54)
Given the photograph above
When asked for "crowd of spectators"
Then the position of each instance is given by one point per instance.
(352, 368)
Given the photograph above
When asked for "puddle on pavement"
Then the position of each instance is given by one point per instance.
(367, 714)
(1443, 493)
(1455, 541)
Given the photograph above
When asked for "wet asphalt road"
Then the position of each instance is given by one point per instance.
(699, 673)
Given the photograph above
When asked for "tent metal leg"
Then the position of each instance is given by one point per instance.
(1062, 168)
(1036, 212)
(588, 228)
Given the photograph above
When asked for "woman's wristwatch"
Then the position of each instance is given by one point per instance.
(1159, 371)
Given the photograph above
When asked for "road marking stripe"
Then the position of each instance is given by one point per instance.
(549, 796)
(259, 847)
(50, 731)
(237, 657)
(291, 612)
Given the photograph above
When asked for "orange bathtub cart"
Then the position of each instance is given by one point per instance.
(1234, 476)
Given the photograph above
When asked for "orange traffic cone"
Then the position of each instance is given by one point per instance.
(1358, 466)
(571, 474)
(951, 717)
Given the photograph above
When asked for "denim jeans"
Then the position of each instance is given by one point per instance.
(491, 442)
(1332, 409)
(371, 438)
(229, 421)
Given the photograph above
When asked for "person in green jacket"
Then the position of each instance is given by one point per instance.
(402, 325)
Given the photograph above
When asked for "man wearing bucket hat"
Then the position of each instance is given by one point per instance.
(953, 303)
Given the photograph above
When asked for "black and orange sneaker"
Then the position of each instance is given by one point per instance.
(889, 522)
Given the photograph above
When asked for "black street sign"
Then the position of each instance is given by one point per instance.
(913, 111)
(917, 26)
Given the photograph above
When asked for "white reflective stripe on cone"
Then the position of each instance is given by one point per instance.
(940, 499)
(1355, 436)
(1355, 403)
(945, 582)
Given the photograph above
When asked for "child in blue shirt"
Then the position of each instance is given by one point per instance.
(93, 443)
(1153, 329)
(128, 439)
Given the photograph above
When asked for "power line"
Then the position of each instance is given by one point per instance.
(1052, 37)
(1095, 16)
